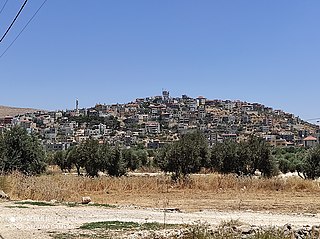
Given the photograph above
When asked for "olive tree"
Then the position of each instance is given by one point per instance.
(89, 157)
(184, 156)
(22, 152)
(243, 158)
(311, 165)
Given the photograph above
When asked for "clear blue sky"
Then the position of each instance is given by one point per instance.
(105, 51)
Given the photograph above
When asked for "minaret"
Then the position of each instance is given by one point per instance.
(77, 107)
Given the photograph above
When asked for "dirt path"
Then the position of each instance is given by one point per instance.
(37, 221)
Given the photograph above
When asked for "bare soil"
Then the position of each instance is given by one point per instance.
(281, 202)
(41, 221)
(12, 111)
(261, 202)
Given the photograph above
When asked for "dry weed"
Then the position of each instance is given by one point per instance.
(198, 192)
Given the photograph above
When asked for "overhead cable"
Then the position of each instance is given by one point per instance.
(17, 15)
(30, 20)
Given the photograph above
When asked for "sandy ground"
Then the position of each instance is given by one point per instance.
(39, 221)
(193, 200)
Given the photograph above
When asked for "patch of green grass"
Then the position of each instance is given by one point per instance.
(117, 225)
(71, 204)
(110, 225)
(80, 236)
(117, 229)
(34, 203)
(16, 206)
(159, 226)
(102, 205)
(75, 204)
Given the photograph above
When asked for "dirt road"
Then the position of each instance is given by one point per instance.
(37, 221)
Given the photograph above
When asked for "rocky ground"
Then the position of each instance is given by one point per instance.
(33, 221)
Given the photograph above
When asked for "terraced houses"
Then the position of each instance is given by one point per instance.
(154, 121)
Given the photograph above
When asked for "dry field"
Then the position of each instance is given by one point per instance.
(12, 111)
(202, 192)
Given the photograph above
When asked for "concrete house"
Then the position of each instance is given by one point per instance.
(310, 141)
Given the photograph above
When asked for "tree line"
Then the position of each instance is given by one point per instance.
(20, 151)
(191, 153)
(94, 157)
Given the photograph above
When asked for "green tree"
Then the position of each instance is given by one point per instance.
(115, 164)
(184, 156)
(284, 165)
(230, 163)
(242, 158)
(290, 159)
(3, 158)
(89, 157)
(142, 155)
(22, 152)
(231, 157)
(110, 121)
(105, 152)
(261, 157)
(131, 159)
(246, 159)
(216, 157)
(60, 158)
(74, 158)
(311, 165)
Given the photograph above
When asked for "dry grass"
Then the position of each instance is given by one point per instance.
(220, 192)
(12, 111)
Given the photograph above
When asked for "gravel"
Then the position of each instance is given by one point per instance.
(38, 221)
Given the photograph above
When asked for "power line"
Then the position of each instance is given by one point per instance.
(21, 8)
(33, 16)
(4, 5)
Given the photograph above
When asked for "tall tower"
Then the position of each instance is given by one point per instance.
(77, 104)
(77, 107)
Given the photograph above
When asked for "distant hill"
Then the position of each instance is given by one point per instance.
(12, 111)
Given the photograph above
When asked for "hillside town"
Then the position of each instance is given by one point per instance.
(154, 121)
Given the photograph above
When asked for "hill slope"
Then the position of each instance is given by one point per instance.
(12, 111)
